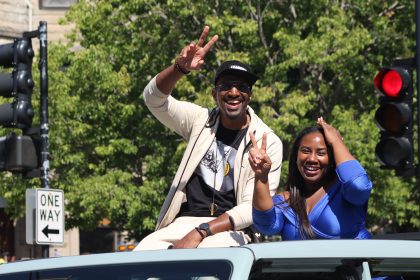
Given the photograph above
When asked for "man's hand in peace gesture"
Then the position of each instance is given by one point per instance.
(192, 55)
(191, 58)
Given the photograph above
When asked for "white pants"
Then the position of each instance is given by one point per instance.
(175, 231)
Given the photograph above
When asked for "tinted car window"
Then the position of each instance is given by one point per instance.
(310, 269)
(208, 270)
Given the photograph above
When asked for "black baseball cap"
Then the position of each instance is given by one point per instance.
(238, 68)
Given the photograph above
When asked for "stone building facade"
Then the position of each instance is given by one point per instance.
(17, 16)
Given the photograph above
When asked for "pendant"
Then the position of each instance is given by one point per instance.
(212, 208)
(227, 168)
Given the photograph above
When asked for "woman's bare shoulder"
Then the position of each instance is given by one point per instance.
(285, 195)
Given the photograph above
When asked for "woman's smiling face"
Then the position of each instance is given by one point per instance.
(312, 158)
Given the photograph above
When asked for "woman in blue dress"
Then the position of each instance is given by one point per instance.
(327, 189)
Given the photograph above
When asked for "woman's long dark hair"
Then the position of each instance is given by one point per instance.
(295, 184)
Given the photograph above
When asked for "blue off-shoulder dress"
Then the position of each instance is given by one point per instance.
(340, 213)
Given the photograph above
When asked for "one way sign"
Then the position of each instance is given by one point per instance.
(49, 216)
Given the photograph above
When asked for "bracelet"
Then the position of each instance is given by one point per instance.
(179, 69)
(199, 231)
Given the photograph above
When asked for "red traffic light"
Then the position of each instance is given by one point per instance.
(392, 81)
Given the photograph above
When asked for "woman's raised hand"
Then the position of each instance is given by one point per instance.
(192, 55)
(258, 159)
(334, 139)
(332, 135)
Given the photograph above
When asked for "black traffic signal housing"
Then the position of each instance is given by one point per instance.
(18, 84)
(18, 153)
(394, 118)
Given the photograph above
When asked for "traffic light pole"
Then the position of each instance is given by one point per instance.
(417, 65)
(41, 33)
(43, 67)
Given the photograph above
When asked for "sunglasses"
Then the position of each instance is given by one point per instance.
(239, 86)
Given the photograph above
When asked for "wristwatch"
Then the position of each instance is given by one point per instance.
(206, 228)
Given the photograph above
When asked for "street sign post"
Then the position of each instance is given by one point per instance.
(30, 215)
(49, 216)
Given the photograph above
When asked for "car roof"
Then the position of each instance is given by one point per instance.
(237, 256)
(382, 255)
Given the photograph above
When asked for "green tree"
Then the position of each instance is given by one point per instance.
(112, 157)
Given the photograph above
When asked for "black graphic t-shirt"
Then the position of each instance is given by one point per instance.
(213, 177)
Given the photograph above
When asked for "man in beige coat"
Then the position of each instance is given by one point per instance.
(209, 203)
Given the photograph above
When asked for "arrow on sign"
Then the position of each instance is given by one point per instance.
(47, 231)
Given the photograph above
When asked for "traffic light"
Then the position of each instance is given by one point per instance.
(18, 84)
(394, 118)
(18, 153)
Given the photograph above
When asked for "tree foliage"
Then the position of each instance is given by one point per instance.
(113, 159)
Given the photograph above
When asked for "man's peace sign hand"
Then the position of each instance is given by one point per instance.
(192, 55)
(258, 159)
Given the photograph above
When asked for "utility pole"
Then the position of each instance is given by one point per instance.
(43, 70)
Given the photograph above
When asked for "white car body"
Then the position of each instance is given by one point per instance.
(313, 259)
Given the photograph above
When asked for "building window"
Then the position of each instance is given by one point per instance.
(55, 4)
